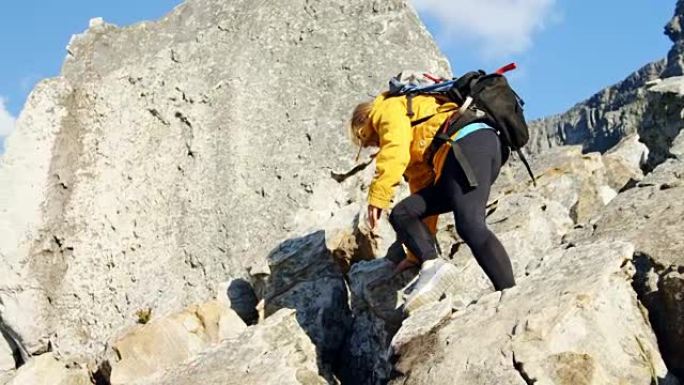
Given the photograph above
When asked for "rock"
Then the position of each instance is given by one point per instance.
(673, 85)
(240, 296)
(673, 29)
(649, 216)
(677, 148)
(165, 150)
(376, 303)
(623, 162)
(364, 358)
(305, 277)
(606, 194)
(343, 217)
(276, 351)
(28, 159)
(7, 363)
(671, 289)
(421, 322)
(5, 377)
(663, 120)
(46, 370)
(565, 175)
(668, 175)
(575, 320)
(350, 239)
(169, 341)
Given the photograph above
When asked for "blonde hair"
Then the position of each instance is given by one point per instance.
(359, 121)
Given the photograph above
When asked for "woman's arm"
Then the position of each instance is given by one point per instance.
(394, 130)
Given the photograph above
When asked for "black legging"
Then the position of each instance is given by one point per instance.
(452, 193)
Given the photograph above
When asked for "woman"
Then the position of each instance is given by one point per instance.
(443, 188)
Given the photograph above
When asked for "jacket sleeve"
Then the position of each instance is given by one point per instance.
(394, 130)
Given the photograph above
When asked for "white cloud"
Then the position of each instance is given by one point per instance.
(6, 119)
(500, 27)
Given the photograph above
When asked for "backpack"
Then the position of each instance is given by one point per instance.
(483, 98)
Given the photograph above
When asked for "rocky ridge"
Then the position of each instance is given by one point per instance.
(626, 108)
(596, 246)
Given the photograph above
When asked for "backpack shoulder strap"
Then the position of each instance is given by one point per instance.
(422, 120)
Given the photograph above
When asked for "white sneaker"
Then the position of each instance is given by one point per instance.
(436, 277)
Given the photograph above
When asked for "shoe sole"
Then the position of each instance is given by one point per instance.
(444, 279)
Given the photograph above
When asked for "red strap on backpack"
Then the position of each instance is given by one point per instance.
(433, 78)
(506, 68)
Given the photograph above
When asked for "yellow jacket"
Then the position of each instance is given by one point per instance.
(402, 147)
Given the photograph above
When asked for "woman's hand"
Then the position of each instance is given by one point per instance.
(374, 214)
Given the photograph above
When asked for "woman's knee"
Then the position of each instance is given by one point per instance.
(401, 215)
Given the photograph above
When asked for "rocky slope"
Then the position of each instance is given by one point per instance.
(168, 181)
(623, 109)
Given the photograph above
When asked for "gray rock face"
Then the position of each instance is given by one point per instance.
(171, 155)
(601, 121)
(623, 109)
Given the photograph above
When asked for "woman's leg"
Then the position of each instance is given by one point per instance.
(407, 220)
(483, 151)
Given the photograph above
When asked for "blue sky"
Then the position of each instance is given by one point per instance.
(566, 49)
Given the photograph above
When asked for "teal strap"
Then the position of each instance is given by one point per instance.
(469, 129)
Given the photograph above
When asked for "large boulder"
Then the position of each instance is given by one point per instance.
(276, 351)
(580, 182)
(650, 216)
(169, 341)
(170, 155)
(623, 162)
(575, 320)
